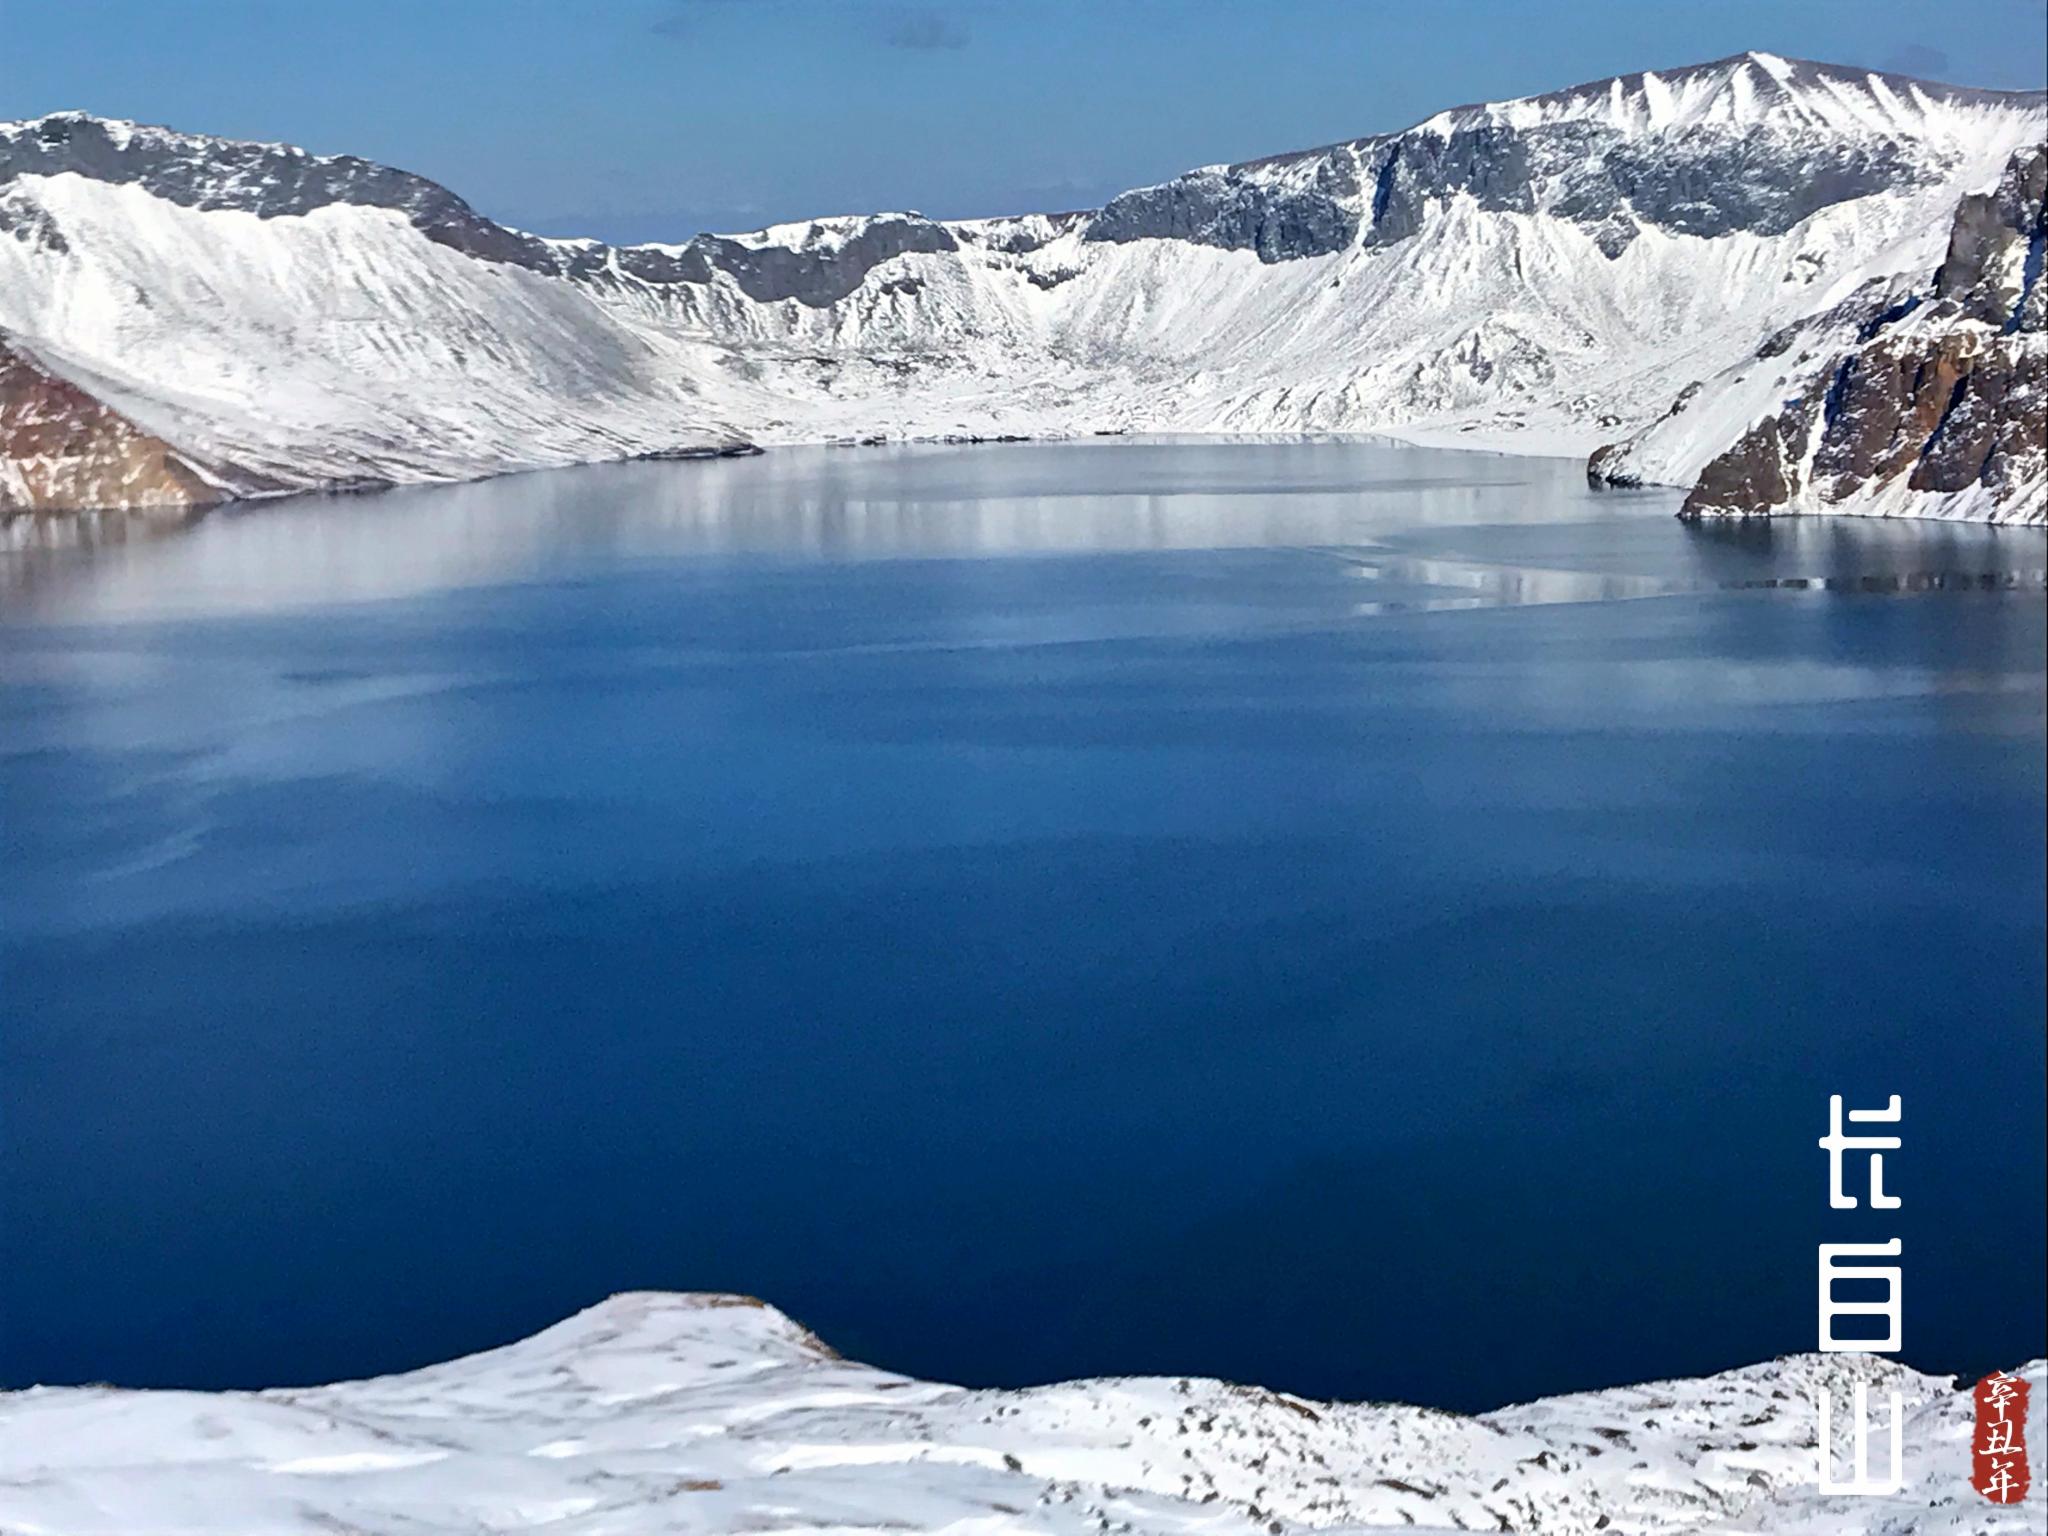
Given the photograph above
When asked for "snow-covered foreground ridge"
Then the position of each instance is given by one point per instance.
(186, 318)
(695, 1413)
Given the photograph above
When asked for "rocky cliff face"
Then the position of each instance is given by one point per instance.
(61, 450)
(1927, 398)
(1748, 144)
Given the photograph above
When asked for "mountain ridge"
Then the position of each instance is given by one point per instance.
(1721, 69)
(1538, 275)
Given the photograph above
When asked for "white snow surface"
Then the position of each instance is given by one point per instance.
(343, 343)
(657, 1412)
(1674, 450)
(337, 345)
(1750, 90)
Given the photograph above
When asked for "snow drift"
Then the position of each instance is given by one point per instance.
(715, 1413)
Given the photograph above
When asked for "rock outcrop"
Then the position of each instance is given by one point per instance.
(1925, 398)
(62, 450)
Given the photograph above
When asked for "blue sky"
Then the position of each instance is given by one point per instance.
(644, 119)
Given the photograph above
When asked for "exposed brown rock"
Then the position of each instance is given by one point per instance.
(61, 450)
(1947, 394)
(1884, 406)
(1996, 415)
(1753, 476)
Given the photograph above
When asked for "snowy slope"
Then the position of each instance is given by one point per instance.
(1541, 275)
(684, 1413)
(332, 346)
(1920, 395)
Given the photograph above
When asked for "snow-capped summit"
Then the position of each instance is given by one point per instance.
(1544, 274)
(1749, 90)
(1753, 143)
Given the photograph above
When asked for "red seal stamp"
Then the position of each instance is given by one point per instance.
(1998, 1448)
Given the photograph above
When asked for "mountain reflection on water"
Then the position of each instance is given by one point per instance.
(1425, 529)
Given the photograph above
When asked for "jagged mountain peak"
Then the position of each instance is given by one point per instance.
(57, 126)
(1753, 143)
(270, 180)
(1741, 90)
(1747, 90)
(120, 149)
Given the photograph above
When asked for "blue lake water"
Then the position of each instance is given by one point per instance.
(1375, 922)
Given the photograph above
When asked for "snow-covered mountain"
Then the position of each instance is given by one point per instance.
(659, 1412)
(1913, 395)
(1545, 275)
